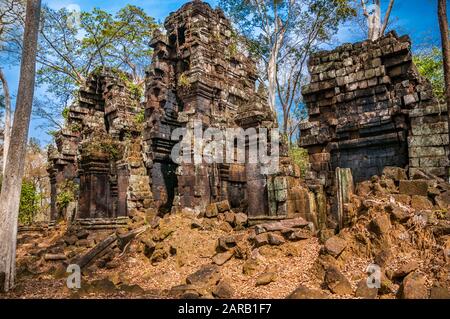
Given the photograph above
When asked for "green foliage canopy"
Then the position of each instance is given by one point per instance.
(429, 64)
(29, 202)
(69, 52)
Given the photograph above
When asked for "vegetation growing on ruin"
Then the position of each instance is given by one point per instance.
(66, 195)
(140, 117)
(300, 157)
(75, 127)
(65, 113)
(183, 80)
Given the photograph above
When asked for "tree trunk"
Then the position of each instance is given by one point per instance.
(10, 193)
(271, 76)
(272, 71)
(376, 23)
(377, 27)
(7, 130)
(443, 25)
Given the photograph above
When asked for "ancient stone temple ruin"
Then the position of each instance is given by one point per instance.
(197, 75)
(369, 108)
(97, 161)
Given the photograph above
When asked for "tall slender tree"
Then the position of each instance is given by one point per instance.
(443, 25)
(11, 185)
(11, 12)
(7, 128)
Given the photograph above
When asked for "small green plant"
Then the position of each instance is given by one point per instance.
(120, 74)
(75, 127)
(111, 149)
(136, 90)
(65, 113)
(66, 195)
(233, 49)
(300, 157)
(140, 117)
(63, 199)
(104, 144)
(183, 80)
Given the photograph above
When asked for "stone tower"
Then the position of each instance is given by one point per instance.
(198, 74)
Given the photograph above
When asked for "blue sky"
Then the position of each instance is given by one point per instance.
(418, 18)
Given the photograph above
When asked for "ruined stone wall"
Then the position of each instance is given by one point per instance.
(369, 108)
(197, 75)
(99, 151)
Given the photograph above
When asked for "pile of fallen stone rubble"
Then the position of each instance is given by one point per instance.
(400, 225)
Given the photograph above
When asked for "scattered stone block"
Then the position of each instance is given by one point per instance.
(414, 187)
(335, 246)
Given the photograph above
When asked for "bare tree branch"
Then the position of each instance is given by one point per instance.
(386, 17)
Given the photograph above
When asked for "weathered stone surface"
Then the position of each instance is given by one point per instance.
(282, 225)
(223, 290)
(395, 173)
(351, 107)
(303, 292)
(438, 292)
(223, 206)
(275, 239)
(380, 225)
(335, 246)
(415, 187)
(364, 188)
(398, 213)
(160, 253)
(402, 198)
(337, 282)
(421, 203)
(149, 247)
(211, 211)
(443, 200)
(363, 290)
(241, 219)
(266, 278)
(206, 275)
(325, 234)
(405, 269)
(261, 240)
(82, 234)
(70, 240)
(100, 286)
(225, 243)
(55, 257)
(222, 258)
(133, 289)
(300, 234)
(382, 258)
(230, 218)
(414, 287)
(250, 267)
